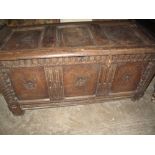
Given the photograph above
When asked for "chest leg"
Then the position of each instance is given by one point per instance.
(153, 95)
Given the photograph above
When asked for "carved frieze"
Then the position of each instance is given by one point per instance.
(132, 58)
(105, 59)
(55, 61)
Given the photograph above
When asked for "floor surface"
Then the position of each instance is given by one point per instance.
(115, 117)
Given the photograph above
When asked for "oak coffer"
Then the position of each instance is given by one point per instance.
(74, 63)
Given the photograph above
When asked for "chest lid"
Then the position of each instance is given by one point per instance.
(72, 38)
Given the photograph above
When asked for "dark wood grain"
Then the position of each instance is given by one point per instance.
(127, 77)
(29, 83)
(23, 40)
(68, 64)
(80, 80)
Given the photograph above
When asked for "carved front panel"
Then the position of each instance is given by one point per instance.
(80, 80)
(29, 83)
(127, 77)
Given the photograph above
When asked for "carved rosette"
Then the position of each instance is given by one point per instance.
(54, 76)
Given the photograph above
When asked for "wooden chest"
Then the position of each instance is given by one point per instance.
(70, 64)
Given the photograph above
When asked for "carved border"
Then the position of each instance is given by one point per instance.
(54, 61)
(78, 60)
(132, 58)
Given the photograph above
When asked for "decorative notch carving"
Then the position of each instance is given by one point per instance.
(54, 76)
(105, 59)
(54, 61)
(123, 58)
